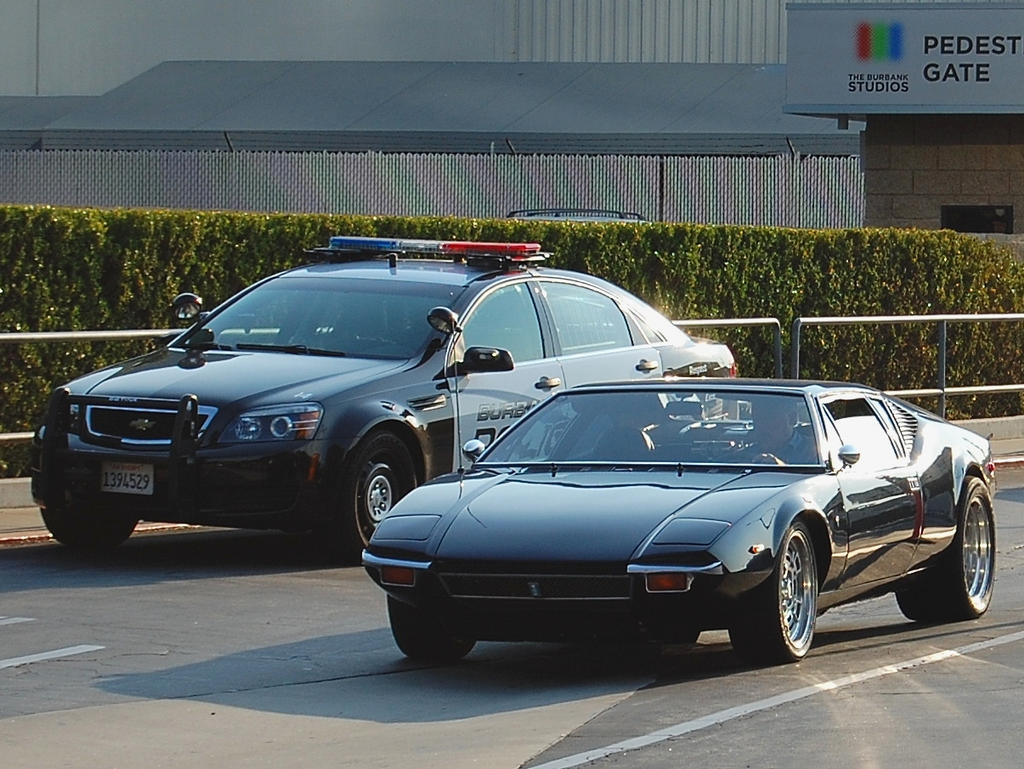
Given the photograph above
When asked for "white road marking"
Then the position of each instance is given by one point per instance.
(15, 620)
(67, 651)
(729, 714)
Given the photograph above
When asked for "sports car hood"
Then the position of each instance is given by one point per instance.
(588, 515)
(224, 377)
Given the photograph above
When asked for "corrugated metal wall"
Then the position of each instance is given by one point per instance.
(703, 31)
(88, 47)
(700, 31)
(778, 191)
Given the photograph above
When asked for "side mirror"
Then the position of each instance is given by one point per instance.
(473, 448)
(849, 455)
(443, 319)
(485, 359)
(187, 307)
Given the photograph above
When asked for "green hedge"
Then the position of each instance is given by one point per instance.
(70, 269)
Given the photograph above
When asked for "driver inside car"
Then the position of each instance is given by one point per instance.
(779, 436)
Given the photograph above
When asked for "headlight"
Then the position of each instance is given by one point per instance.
(287, 422)
(690, 531)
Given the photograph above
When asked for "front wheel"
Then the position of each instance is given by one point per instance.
(776, 623)
(959, 586)
(422, 638)
(85, 528)
(379, 473)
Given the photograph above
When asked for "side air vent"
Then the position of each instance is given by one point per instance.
(906, 420)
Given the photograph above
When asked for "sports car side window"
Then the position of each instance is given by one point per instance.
(585, 320)
(886, 417)
(857, 423)
(506, 318)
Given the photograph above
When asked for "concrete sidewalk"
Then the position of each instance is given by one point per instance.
(20, 522)
(23, 525)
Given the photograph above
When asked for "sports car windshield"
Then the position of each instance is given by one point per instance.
(344, 317)
(673, 426)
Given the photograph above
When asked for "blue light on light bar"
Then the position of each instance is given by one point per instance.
(354, 243)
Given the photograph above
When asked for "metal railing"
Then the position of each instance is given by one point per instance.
(741, 322)
(22, 337)
(25, 337)
(941, 389)
(112, 336)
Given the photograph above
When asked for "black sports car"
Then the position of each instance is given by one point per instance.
(661, 509)
(317, 397)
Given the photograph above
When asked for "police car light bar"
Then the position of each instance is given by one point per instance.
(518, 252)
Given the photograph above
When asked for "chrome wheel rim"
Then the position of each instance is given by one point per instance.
(978, 552)
(379, 494)
(798, 597)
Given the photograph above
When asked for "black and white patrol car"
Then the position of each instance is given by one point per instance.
(317, 397)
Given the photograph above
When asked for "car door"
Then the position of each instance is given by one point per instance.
(505, 317)
(881, 492)
(594, 340)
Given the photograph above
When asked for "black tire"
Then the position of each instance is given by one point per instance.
(422, 638)
(86, 528)
(685, 636)
(959, 586)
(379, 473)
(776, 621)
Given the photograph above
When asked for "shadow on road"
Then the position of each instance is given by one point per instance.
(153, 558)
(363, 676)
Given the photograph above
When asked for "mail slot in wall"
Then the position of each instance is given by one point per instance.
(978, 218)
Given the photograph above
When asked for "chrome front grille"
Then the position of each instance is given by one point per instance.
(577, 587)
(137, 426)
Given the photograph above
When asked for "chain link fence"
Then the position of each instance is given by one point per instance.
(783, 191)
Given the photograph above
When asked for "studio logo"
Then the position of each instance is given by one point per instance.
(879, 42)
(879, 46)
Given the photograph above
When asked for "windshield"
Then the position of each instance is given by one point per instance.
(327, 316)
(676, 426)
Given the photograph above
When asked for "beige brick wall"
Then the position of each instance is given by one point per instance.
(915, 164)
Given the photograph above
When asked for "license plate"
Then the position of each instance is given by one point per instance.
(127, 478)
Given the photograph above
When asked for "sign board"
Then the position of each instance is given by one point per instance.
(858, 59)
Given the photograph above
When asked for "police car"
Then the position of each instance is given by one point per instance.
(317, 397)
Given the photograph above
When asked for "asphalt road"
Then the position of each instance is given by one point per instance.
(208, 648)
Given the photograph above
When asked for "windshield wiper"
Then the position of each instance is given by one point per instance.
(295, 349)
(207, 346)
(298, 349)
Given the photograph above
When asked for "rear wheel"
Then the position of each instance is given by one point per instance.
(378, 475)
(959, 586)
(776, 624)
(420, 637)
(86, 528)
(685, 636)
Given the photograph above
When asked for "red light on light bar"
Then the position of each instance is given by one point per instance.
(476, 247)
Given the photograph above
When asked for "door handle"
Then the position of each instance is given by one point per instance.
(647, 365)
(548, 383)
